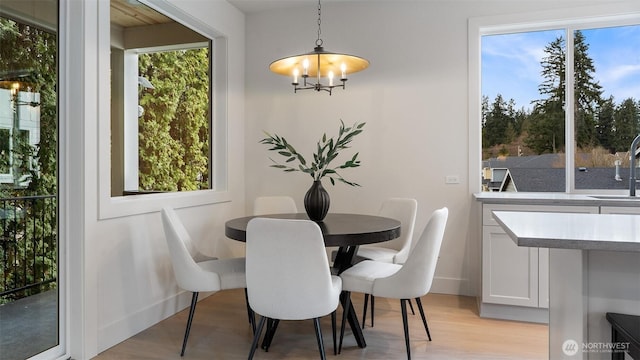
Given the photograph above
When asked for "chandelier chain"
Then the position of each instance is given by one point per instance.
(319, 40)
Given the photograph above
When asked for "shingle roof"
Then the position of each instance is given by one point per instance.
(537, 174)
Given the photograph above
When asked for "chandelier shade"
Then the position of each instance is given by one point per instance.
(318, 64)
(319, 58)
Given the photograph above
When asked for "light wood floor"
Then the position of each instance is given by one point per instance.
(220, 331)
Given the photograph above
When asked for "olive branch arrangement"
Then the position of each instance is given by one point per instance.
(327, 150)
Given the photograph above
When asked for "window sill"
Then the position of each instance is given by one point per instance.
(122, 206)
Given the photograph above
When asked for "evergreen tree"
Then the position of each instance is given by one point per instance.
(626, 124)
(499, 124)
(605, 124)
(587, 93)
(546, 126)
(548, 123)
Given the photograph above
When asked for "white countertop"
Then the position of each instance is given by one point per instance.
(541, 198)
(613, 232)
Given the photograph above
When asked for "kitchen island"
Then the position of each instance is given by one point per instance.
(594, 268)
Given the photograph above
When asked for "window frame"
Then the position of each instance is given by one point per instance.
(112, 207)
(568, 20)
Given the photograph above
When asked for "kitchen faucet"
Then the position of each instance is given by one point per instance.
(632, 166)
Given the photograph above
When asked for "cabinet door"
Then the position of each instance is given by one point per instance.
(509, 272)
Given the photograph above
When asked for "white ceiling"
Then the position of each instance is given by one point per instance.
(250, 6)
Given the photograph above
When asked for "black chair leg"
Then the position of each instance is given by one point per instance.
(424, 319)
(316, 322)
(373, 306)
(250, 313)
(256, 337)
(345, 311)
(411, 307)
(272, 325)
(192, 310)
(364, 309)
(405, 322)
(333, 330)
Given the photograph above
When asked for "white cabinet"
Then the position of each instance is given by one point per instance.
(515, 280)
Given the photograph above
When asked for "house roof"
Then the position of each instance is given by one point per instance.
(537, 174)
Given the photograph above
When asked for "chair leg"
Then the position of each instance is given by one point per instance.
(424, 319)
(411, 307)
(373, 306)
(345, 311)
(316, 322)
(250, 313)
(272, 325)
(333, 330)
(364, 309)
(403, 307)
(192, 310)
(256, 337)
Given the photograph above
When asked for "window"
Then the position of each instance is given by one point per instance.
(134, 30)
(161, 128)
(532, 135)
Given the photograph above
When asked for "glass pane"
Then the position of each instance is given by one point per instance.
(175, 113)
(160, 103)
(523, 115)
(29, 299)
(607, 71)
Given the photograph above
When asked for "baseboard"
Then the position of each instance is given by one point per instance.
(517, 313)
(452, 286)
(120, 330)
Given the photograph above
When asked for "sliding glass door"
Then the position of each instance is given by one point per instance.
(30, 304)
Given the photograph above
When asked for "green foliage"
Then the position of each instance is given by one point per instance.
(501, 122)
(174, 131)
(327, 150)
(605, 129)
(626, 120)
(28, 224)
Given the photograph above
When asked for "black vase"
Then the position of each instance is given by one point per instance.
(316, 201)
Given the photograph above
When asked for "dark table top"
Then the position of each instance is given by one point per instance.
(337, 229)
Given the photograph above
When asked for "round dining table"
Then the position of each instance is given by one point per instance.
(345, 231)
(337, 229)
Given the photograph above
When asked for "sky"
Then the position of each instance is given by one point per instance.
(511, 63)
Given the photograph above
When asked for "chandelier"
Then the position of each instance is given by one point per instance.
(310, 69)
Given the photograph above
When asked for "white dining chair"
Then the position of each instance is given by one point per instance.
(395, 251)
(412, 279)
(288, 275)
(198, 276)
(274, 205)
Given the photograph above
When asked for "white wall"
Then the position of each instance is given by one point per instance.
(414, 98)
(121, 277)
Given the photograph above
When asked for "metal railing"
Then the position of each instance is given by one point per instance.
(28, 246)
